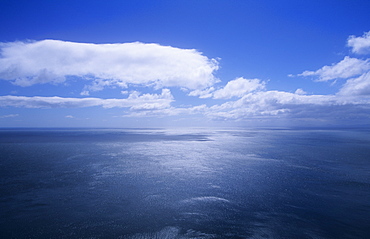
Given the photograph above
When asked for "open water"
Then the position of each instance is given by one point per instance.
(184, 183)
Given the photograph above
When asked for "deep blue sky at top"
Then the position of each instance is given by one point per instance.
(264, 39)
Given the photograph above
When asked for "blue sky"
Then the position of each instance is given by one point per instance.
(184, 63)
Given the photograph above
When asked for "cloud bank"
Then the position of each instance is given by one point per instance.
(161, 67)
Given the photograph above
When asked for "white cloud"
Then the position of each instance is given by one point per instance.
(69, 116)
(360, 45)
(348, 67)
(279, 103)
(52, 61)
(356, 71)
(252, 105)
(134, 101)
(171, 111)
(357, 86)
(300, 92)
(138, 64)
(238, 88)
(206, 93)
(234, 88)
(270, 104)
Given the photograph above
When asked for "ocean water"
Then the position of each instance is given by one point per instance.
(184, 183)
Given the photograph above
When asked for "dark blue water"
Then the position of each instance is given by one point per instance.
(190, 183)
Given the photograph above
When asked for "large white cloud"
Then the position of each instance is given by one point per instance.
(52, 61)
(135, 101)
(360, 45)
(346, 68)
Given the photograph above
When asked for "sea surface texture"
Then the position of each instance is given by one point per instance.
(184, 183)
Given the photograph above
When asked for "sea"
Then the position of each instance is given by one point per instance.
(184, 183)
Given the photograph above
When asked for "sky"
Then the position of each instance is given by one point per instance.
(184, 63)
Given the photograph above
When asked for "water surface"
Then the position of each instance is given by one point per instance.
(184, 183)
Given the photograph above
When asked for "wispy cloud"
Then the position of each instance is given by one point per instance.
(52, 61)
(9, 116)
(135, 101)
